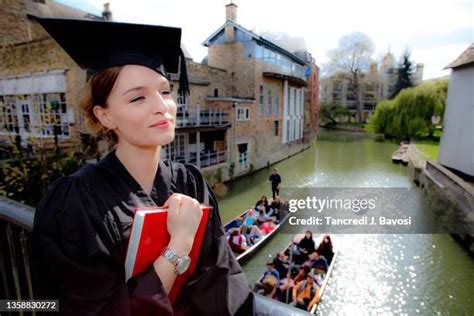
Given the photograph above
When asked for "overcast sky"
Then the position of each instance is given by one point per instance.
(435, 31)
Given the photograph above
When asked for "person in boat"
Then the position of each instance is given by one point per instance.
(260, 206)
(286, 286)
(315, 260)
(254, 234)
(82, 225)
(249, 220)
(268, 226)
(281, 263)
(263, 202)
(320, 270)
(237, 240)
(325, 249)
(304, 293)
(302, 273)
(275, 207)
(262, 217)
(275, 179)
(270, 270)
(269, 287)
(304, 248)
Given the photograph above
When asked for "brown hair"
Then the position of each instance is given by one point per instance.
(269, 284)
(96, 92)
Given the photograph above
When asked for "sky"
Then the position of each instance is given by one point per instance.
(435, 31)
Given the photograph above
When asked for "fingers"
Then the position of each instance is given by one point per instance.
(177, 201)
(173, 203)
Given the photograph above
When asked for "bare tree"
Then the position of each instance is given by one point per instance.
(353, 55)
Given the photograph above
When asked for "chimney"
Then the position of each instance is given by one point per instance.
(231, 15)
(107, 14)
(231, 12)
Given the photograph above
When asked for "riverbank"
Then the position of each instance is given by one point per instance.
(450, 197)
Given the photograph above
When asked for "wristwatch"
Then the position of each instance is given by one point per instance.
(181, 263)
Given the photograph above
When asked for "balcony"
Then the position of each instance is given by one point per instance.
(284, 70)
(216, 118)
(207, 158)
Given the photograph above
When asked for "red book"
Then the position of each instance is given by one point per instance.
(149, 236)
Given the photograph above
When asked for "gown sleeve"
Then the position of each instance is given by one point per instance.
(70, 264)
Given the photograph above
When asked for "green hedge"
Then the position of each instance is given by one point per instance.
(26, 180)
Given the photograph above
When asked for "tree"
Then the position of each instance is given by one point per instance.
(405, 72)
(329, 113)
(410, 113)
(352, 55)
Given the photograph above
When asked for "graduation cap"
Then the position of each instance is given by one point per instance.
(96, 45)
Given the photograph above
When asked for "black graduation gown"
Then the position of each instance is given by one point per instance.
(80, 236)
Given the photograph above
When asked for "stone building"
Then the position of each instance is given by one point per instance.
(375, 85)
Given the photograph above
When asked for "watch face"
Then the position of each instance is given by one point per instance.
(183, 264)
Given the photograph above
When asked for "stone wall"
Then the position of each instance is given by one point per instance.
(13, 22)
(452, 200)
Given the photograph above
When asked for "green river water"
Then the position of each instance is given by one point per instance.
(386, 274)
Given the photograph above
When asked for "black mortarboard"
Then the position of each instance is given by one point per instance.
(96, 45)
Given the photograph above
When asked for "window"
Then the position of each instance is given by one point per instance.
(216, 93)
(53, 113)
(243, 114)
(9, 115)
(262, 101)
(181, 99)
(288, 104)
(277, 101)
(288, 128)
(39, 115)
(243, 155)
(275, 128)
(270, 101)
(175, 149)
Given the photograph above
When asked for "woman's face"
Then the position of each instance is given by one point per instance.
(140, 108)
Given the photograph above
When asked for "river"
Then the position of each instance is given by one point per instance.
(374, 274)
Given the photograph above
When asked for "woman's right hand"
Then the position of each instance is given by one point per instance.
(184, 216)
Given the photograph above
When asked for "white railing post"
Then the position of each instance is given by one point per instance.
(198, 149)
(198, 115)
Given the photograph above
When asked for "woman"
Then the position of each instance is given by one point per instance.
(325, 249)
(305, 247)
(263, 202)
(237, 241)
(262, 217)
(82, 225)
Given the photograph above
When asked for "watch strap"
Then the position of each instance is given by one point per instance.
(172, 257)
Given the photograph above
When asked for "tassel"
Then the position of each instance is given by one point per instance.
(183, 89)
